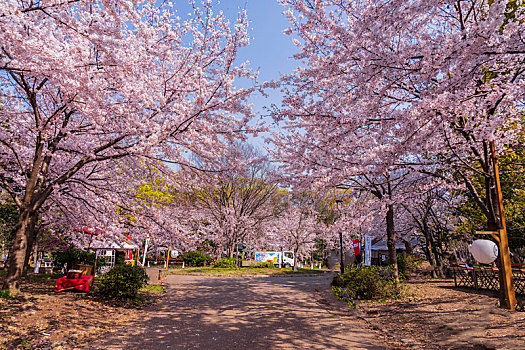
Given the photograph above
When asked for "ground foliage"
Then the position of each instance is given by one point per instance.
(366, 283)
(73, 256)
(408, 265)
(196, 258)
(122, 282)
(227, 263)
(264, 265)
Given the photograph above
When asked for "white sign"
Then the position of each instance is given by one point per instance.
(368, 251)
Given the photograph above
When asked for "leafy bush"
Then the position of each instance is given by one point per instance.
(196, 258)
(226, 263)
(407, 265)
(365, 283)
(73, 256)
(266, 264)
(5, 294)
(122, 282)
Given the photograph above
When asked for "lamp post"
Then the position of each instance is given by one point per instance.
(341, 264)
(341, 247)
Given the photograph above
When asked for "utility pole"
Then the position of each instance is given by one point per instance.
(341, 248)
(503, 242)
(341, 264)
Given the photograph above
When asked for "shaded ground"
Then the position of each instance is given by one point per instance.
(201, 312)
(441, 316)
(284, 312)
(40, 318)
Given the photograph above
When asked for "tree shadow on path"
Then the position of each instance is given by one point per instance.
(244, 313)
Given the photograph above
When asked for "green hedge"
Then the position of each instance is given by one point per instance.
(196, 258)
(122, 282)
(72, 257)
(225, 263)
(266, 264)
(407, 265)
(365, 283)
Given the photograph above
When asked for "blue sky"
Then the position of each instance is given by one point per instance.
(270, 51)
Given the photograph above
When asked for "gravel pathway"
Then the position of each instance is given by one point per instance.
(204, 312)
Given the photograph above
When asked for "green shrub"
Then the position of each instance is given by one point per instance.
(120, 258)
(5, 294)
(226, 263)
(122, 282)
(266, 264)
(196, 258)
(73, 256)
(407, 265)
(365, 283)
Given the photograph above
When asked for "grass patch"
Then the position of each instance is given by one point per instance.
(244, 271)
(3, 273)
(153, 289)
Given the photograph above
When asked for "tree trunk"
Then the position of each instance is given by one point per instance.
(431, 257)
(19, 250)
(391, 241)
(409, 249)
(31, 240)
(229, 249)
(439, 261)
(295, 267)
(236, 255)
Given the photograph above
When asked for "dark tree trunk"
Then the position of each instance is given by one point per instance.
(430, 254)
(409, 249)
(31, 240)
(19, 250)
(429, 248)
(230, 249)
(439, 260)
(295, 267)
(391, 241)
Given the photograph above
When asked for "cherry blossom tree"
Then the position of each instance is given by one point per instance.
(432, 214)
(87, 85)
(418, 85)
(234, 205)
(299, 226)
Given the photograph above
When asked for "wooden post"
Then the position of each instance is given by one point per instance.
(503, 242)
(95, 265)
(168, 257)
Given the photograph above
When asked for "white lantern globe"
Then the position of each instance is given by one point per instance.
(484, 251)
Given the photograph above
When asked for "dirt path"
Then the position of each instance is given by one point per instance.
(201, 312)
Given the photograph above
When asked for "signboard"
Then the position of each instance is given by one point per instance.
(368, 251)
(355, 243)
(274, 257)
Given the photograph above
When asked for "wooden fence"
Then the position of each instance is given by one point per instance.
(486, 278)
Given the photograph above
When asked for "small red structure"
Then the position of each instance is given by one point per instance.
(82, 283)
(355, 243)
